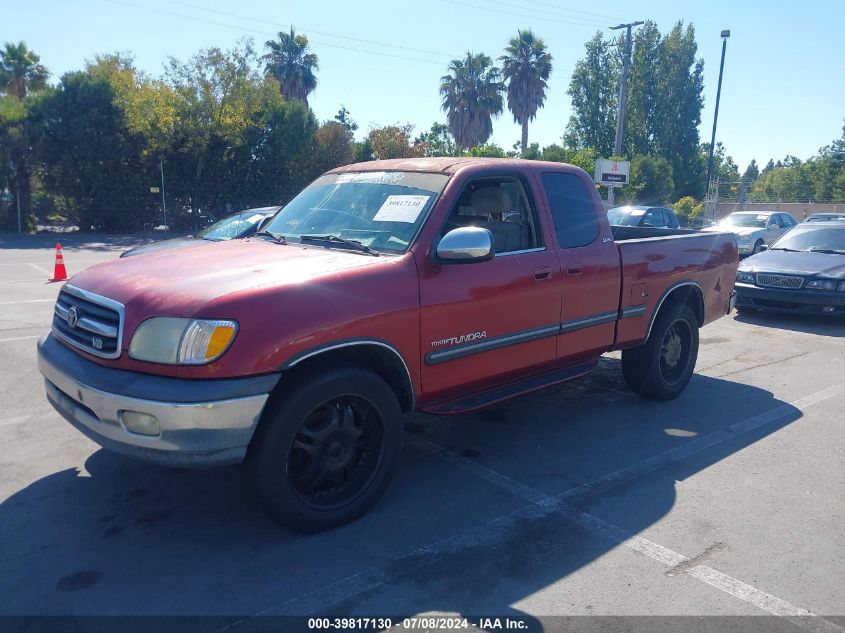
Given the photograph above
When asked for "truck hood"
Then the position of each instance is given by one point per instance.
(178, 282)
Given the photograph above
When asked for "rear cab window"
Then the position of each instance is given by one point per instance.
(572, 209)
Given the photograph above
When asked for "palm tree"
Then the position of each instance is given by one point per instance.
(21, 71)
(526, 67)
(472, 96)
(290, 62)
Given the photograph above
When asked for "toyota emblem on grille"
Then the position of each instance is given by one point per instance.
(72, 316)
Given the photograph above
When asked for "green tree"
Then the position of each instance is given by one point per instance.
(21, 71)
(219, 98)
(91, 157)
(472, 96)
(394, 141)
(345, 120)
(593, 90)
(438, 141)
(21, 74)
(585, 158)
(687, 209)
(526, 67)
(651, 179)
(290, 63)
(487, 150)
(332, 147)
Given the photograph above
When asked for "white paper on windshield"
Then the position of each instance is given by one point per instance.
(637, 212)
(401, 209)
(254, 218)
(762, 217)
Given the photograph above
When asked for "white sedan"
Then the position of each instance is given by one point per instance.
(755, 229)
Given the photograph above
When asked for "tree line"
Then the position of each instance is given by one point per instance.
(230, 129)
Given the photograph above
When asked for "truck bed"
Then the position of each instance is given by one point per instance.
(656, 261)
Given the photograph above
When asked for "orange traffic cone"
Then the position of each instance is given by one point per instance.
(59, 271)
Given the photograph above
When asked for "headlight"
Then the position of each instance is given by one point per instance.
(743, 238)
(821, 284)
(746, 278)
(175, 341)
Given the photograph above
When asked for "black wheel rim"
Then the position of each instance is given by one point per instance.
(675, 351)
(335, 452)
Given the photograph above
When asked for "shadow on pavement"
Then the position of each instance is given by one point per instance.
(810, 324)
(127, 538)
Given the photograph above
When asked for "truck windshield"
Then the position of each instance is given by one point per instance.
(745, 219)
(381, 210)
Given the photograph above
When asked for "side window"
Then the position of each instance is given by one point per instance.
(572, 209)
(671, 222)
(502, 206)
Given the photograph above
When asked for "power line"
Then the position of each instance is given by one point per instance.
(556, 6)
(326, 33)
(272, 34)
(553, 13)
(520, 15)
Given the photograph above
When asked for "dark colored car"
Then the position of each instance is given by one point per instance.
(233, 227)
(803, 272)
(654, 217)
(825, 217)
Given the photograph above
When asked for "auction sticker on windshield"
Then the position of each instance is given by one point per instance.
(401, 209)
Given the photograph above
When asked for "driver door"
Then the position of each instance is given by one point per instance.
(487, 322)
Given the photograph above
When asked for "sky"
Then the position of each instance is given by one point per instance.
(782, 93)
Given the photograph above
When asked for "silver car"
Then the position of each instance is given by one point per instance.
(754, 229)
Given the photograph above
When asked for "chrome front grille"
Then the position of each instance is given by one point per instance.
(89, 321)
(780, 281)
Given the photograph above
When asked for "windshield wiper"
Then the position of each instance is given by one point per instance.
(355, 244)
(276, 237)
(831, 251)
(783, 248)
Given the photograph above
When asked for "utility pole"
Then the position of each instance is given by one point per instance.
(623, 95)
(725, 35)
(163, 204)
(19, 209)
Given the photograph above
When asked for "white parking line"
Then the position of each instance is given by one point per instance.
(19, 338)
(11, 303)
(541, 504)
(39, 269)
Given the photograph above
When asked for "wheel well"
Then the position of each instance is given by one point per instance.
(687, 294)
(383, 362)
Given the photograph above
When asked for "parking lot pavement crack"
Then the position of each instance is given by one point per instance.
(689, 563)
(759, 365)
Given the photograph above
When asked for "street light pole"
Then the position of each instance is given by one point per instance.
(623, 96)
(163, 204)
(725, 35)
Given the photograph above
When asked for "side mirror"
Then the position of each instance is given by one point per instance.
(763, 247)
(465, 245)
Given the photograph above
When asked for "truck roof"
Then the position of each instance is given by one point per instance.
(445, 165)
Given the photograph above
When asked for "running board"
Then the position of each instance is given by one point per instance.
(489, 397)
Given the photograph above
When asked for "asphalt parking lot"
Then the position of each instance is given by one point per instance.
(580, 500)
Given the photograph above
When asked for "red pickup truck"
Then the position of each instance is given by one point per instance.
(436, 285)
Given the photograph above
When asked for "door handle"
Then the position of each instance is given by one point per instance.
(574, 269)
(544, 272)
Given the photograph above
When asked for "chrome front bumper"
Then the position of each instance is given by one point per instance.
(200, 433)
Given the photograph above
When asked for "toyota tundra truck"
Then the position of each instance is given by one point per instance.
(438, 285)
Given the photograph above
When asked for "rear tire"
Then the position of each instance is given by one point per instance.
(327, 448)
(661, 367)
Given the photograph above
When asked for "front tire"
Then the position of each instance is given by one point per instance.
(661, 367)
(757, 245)
(327, 448)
